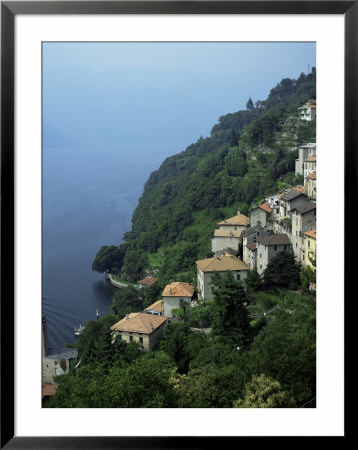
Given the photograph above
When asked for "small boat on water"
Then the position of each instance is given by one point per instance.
(79, 330)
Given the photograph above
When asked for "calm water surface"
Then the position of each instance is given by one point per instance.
(89, 194)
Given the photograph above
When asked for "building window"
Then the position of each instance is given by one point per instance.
(119, 337)
(141, 340)
(275, 247)
(260, 266)
(130, 338)
(284, 247)
(296, 244)
(238, 276)
(309, 244)
(260, 255)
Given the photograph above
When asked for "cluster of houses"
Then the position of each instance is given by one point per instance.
(285, 220)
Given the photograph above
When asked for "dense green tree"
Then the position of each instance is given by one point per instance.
(253, 280)
(215, 353)
(135, 261)
(307, 276)
(200, 316)
(95, 344)
(214, 387)
(127, 300)
(144, 383)
(285, 349)
(181, 344)
(108, 258)
(151, 293)
(250, 104)
(264, 392)
(282, 271)
(230, 319)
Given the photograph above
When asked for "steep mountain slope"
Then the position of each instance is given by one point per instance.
(241, 161)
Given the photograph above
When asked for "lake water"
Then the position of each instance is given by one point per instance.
(89, 194)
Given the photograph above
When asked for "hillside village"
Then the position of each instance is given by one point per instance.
(283, 221)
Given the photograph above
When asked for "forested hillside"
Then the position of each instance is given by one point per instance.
(254, 344)
(248, 154)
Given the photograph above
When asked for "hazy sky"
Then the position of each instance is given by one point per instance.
(158, 93)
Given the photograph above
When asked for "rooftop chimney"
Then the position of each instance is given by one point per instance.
(238, 211)
(127, 316)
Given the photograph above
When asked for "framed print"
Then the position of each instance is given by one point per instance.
(147, 146)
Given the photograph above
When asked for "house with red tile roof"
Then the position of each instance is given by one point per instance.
(175, 295)
(146, 329)
(156, 308)
(261, 214)
(147, 281)
(218, 264)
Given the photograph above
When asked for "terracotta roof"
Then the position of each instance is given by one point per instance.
(139, 322)
(265, 207)
(274, 239)
(221, 264)
(156, 306)
(312, 176)
(147, 281)
(311, 234)
(49, 389)
(227, 233)
(301, 189)
(306, 207)
(251, 246)
(178, 289)
(311, 159)
(239, 219)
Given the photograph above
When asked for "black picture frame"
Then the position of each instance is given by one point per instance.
(9, 9)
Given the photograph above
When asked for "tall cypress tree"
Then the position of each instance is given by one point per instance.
(230, 319)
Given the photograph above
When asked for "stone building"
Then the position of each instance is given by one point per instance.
(218, 264)
(146, 329)
(303, 219)
(311, 185)
(304, 151)
(310, 248)
(309, 166)
(269, 246)
(308, 110)
(291, 200)
(235, 223)
(261, 214)
(249, 237)
(225, 239)
(175, 295)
